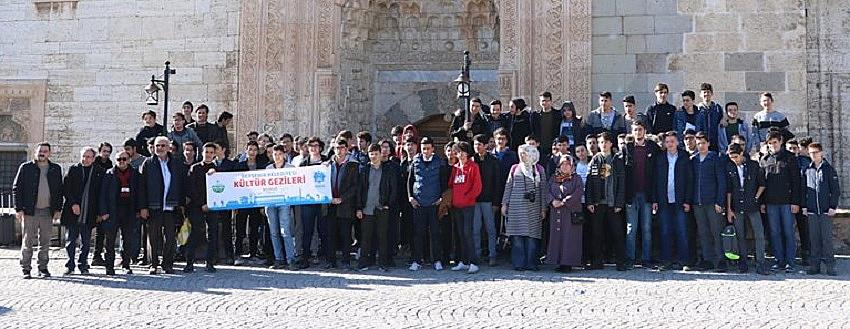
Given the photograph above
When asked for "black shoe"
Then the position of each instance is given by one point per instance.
(621, 267)
(330, 266)
(813, 270)
(84, 271)
(153, 271)
(43, 274)
(169, 271)
(110, 271)
(189, 268)
(98, 261)
(722, 266)
(27, 275)
(128, 271)
(830, 270)
(706, 266)
(68, 271)
(210, 269)
(675, 267)
(292, 267)
(742, 267)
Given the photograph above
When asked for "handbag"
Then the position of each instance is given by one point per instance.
(577, 218)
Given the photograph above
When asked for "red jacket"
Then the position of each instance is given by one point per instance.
(465, 183)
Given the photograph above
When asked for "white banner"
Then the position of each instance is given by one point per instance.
(270, 187)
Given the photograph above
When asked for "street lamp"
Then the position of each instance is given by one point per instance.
(463, 85)
(153, 88)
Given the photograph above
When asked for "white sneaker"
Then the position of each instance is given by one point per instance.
(239, 261)
(438, 266)
(460, 267)
(472, 269)
(414, 267)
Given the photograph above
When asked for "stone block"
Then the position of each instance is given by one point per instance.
(691, 6)
(210, 58)
(698, 42)
(716, 22)
(611, 44)
(607, 25)
(763, 41)
(651, 63)
(728, 42)
(772, 22)
(721, 81)
(631, 8)
(609, 82)
(747, 101)
(765, 81)
(635, 44)
(764, 5)
(600, 8)
(638, 25)
(673, 24)
(700, 62)
(674, 80)
(749, 61)
(614, 63)
(664, 43)
(796, 80)
(661, 7)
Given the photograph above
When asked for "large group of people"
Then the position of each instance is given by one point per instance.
(659, 190)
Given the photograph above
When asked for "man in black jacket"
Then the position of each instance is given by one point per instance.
(223, 164)
(344, 178)
(119, 208)
(163, 182)
(661, 114)
(206, 131)
(81, 186)
(150, 131)
(638, 157)
(378, 189)
(744, 187)
(102, 160)
(782, 200)
(605, 198)
(671, 198)
(199, 213)
(37, 190)
(491, 172)
(466, 125)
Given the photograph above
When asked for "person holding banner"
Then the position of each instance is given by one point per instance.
(250, 220)
(225, 217)
(344, 171)
(311, 213)
(378, 189)
(280, 218)
(199, 213)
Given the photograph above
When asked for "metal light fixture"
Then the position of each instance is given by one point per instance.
(153, 88)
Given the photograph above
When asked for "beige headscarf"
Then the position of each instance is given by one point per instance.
(528, 163)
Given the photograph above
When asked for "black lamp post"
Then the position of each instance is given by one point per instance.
(153, 89)
(463, 85)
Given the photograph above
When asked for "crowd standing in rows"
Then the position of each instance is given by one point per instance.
(535, 185)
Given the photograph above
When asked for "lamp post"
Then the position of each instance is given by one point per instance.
(463, 85)
(152, 90)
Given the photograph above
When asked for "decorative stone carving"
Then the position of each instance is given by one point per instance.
(22, 104)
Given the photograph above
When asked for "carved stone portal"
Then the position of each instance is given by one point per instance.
(22, 104)
(315, 67)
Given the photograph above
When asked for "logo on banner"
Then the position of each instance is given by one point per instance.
(218, 187)
(319, 177)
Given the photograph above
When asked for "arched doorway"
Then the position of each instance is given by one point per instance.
(437, 127)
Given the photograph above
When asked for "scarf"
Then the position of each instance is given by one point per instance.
(561, 177)
(84, 206)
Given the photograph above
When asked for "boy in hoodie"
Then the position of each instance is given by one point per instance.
(782, 200)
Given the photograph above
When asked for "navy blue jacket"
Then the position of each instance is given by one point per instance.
(821, 189)
(744, 197)
(709, 179)
(110, 193)
(424, 182)
(152, 184)
(73, 185)
(683, 175)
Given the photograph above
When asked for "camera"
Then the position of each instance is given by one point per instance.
(530, 196)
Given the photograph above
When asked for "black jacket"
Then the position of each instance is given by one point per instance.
(628, 153)
(683, 175)
(74, 184)
(821, 189)
(479, 126)
(782, 178)
(388, 192)
(145, 134)
(153, 188)
(25, 187)
(595, 188)
(491, 171)
(744, 197)
(661, 118)
(347, 188)
(110, 193)
(196, 188)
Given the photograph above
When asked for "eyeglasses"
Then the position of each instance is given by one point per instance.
(161, 145)
(122, 159)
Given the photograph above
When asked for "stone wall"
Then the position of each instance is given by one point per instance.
(97, 56)
(741, 47)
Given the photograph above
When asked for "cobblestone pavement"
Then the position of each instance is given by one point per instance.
(494, 298)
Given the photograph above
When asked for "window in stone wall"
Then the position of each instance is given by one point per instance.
(9, 162)
(58, 9)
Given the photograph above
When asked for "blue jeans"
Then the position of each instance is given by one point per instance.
(484, 212)
(524, 252)
(673, 226)
(782, 233)
(425, 220)
(639, 214)
(309, 215)
(83, 232)
(283, 242)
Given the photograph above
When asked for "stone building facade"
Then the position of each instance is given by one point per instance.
(72, 71)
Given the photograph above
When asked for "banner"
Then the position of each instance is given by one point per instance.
(270, 187)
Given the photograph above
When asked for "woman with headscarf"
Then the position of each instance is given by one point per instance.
(565, 237)
(523, 205)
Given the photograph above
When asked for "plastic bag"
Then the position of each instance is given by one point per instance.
(183, 234)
